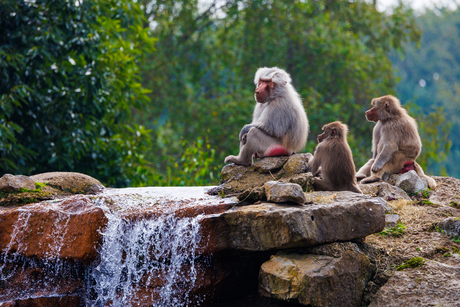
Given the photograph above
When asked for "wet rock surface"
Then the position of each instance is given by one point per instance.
(67, 229)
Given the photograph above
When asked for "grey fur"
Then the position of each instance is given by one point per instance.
(279, 120)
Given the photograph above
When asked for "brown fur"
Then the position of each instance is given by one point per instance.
(395, 139)
(279, 118)
(334, 159)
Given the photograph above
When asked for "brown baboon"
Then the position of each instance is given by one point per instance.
(395, 142)
(333, 155)
(279, 125)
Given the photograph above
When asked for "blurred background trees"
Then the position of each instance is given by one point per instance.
(72, 100)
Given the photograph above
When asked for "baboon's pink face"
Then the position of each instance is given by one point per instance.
(263, 90)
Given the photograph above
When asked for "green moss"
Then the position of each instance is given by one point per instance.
(455, 249)
(412, 263)
(396, 231)
(447, 255)
(441, 250)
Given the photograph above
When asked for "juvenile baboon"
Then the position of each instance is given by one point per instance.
(279, 125)
(395, 142)
(333, 155)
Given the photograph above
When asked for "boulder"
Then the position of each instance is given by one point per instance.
(450, 226)
(432, 284)
(410, 182)
(332, 216)
(73, 183)
(316, 280)
(11, 183)
(297, 164)
(68, 229)
(279, 192)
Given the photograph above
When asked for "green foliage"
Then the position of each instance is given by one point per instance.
(412, 263)
(396, 231)
(69, 78)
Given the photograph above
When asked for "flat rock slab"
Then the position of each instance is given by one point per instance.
(332, 216)
(316, 280)
(432, 284)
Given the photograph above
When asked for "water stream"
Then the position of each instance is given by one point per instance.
(148, 255)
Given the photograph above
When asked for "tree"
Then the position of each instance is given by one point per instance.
(68, 79)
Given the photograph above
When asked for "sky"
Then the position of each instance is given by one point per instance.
(417, 5)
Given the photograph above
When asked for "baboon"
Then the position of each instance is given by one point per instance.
(395, 142)
(279, 125)
(334, 160)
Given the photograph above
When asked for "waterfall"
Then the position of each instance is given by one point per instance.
(137, 253)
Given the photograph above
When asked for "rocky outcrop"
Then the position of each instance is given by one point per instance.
(317, 279)
(330, 217)
(247, 182)
(432, 284)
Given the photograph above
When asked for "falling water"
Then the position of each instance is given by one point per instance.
(148, 254)
(155, 253)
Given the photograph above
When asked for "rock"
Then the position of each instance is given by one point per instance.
(11, 183)
(237, 179)
(46, 301)
(67, 230)
(451, 226)
(74, 183)
(45, 287)
(305, 180)
(297, 164)
(391, 220)
(390, 192)
(270, 164)
(252, 195)
(280, 192)
(316, 280)
(339, 216)
(232, 172)
(432, 284)
(370, 188)
(447, 193)
(411, 182)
